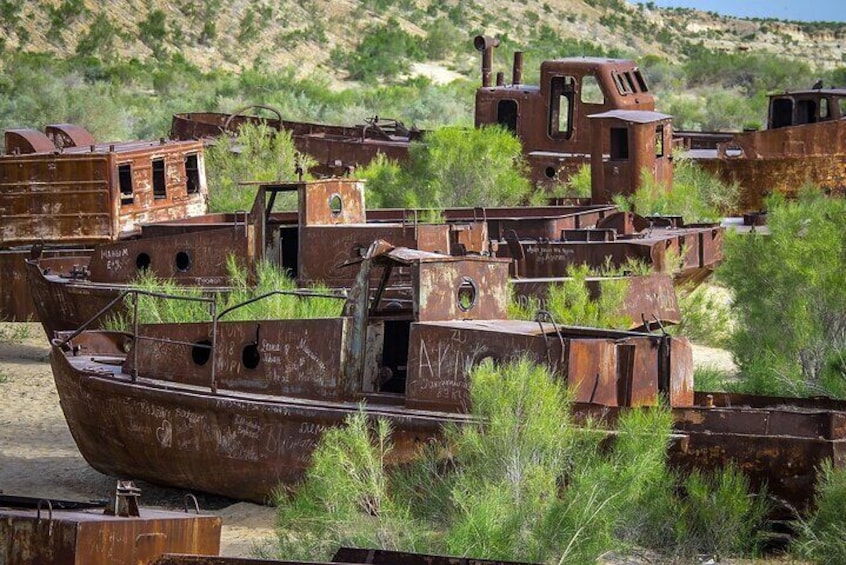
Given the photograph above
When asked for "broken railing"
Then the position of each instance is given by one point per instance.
(213, 313)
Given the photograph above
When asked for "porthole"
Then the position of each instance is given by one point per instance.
(250, 356)
(336, 205)
(142, 262)
(467, 293)
(183, 261)
(201, 352)
(550, 172)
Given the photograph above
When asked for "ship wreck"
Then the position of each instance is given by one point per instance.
(331, 227)
(62, 191)
(557, 122)
(263, 391)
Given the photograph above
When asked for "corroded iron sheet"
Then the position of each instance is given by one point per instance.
(48, 536)
(16, 301)
(250, 442)
(75, 197)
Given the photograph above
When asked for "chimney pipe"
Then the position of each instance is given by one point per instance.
(500, 78)
(517, 76)
(485, 45)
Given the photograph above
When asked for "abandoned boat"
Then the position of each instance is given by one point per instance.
(330, 227)
(235, 408)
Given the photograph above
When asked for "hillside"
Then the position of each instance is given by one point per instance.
(313, 35)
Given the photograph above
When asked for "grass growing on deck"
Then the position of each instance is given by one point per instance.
(154, 310)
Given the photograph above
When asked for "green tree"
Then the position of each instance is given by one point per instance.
(789, 298)
(457, 167)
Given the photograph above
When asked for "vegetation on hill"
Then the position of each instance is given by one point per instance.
(121, 69)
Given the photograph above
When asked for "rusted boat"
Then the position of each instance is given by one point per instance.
(550, 119)
(56, 532)
(263, 391)
(314, 242)
(62, 191)
(804, 141)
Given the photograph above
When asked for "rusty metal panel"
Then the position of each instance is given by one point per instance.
(471, 237)
(69, 135)
(461, 290)
(323, 250)
(331, 202)
(198, 258)
(16, 301)
(440, 355)
(89, 537)
(299, 358)
(593, 366)
(680, 389)
(24, 141)
(62, 303)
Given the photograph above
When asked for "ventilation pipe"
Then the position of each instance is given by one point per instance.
(517, 71)
(485, 45)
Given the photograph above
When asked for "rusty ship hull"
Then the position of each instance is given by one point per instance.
(242, 446)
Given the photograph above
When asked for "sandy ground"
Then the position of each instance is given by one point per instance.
(38, 456)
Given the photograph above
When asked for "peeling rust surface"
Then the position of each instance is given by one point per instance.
(48, 536)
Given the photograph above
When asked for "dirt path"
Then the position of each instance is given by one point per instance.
(38, 456)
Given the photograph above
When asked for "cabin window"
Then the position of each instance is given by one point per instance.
(591, 91)
(659, 141)
(159, 185)
(841, 106)
(619, 144)
(192, 174)
(623, 86)
(806, 112)
(630, 82)
(640, 82)
(824, 114)
(561, 107)
(782, 113)
(506, 114)
(125, 184)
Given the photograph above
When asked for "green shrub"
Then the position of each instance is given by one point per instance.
(719, 516)
(454, 167)
(695, 194)
(383, 52)
(789, 298)
(268, 278)
(711, 379)
(257, 153)
(821, 538)
(570, 302)
(524, 484)
(706, 315)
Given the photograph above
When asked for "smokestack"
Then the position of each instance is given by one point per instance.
(517, 71)
(485, 45)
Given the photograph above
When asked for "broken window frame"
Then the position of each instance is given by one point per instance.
(562, 87)
(159, 179)
(125, 184)
(192, 174)
(591, 91)
(619, 143)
